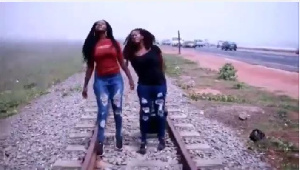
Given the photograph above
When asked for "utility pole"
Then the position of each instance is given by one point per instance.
(179, 43)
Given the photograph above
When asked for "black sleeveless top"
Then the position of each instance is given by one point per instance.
(148, 67)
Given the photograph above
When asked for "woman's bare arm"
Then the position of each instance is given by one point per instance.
(88, 74)
(124, 67)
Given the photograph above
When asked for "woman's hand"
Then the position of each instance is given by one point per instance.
(88, 74)
(131, 84)
(127, 72)
(84, 92)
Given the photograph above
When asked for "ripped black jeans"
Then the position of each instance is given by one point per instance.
(149, 94)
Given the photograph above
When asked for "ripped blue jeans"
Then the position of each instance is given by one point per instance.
(109, 89)
(149, 95)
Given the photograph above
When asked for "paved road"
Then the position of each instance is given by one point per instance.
(278, 61)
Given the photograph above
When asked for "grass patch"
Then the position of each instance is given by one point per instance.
(279, 148)
(217, 98)
(239, 85)
(9, 101)
(28, 71)
(282, 101)
(290, 166)
(175, 66)
(276, 144)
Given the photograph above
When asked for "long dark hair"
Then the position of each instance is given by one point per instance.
(131, 47)
(91, 41)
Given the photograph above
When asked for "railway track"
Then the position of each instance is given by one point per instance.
(184, 147)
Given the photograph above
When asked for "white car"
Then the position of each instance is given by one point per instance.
(199, 43)
(175, 41)
(166, 42)
(189, 44)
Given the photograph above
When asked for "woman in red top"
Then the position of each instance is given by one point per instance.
(101, 48)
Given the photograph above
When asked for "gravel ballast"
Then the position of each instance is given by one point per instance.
(40, 132)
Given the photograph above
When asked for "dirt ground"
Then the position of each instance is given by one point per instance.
(274, 80)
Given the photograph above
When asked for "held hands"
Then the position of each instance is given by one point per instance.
(84, 92)
(131, 84)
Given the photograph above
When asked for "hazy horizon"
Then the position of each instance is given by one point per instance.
(266, 24)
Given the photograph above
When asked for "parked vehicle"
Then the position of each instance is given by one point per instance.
(189, 44)
(229, 46)
(166, 42)
(175, 41)
(199, 43)
(219, 45)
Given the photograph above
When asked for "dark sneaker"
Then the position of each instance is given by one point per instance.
(143, 149)
(161, 145)
(100, 149)
(119, 144)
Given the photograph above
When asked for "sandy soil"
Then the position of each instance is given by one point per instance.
(274, 80)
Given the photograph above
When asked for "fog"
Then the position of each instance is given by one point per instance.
(267, 24)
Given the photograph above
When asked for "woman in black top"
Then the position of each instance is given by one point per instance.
(147, 61)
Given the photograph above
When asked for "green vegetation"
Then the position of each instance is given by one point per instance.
(227, 72)
(175, 65)
(276, 144)
(27, 71)
(218, 97)
(239, 86)
(282, 148)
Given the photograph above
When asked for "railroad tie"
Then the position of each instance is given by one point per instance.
(91, 110)
(150, 163)
(80, 135)
(89, 116)
(174, 110)
(198, 147)
(84, 125)
(171, 105)
(181, 116)
(192, 133)
(209, 163)
(184, 125)
(76, 148)
(100, 164)
(67, 164)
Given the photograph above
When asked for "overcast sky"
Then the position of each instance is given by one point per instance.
(273, 24)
